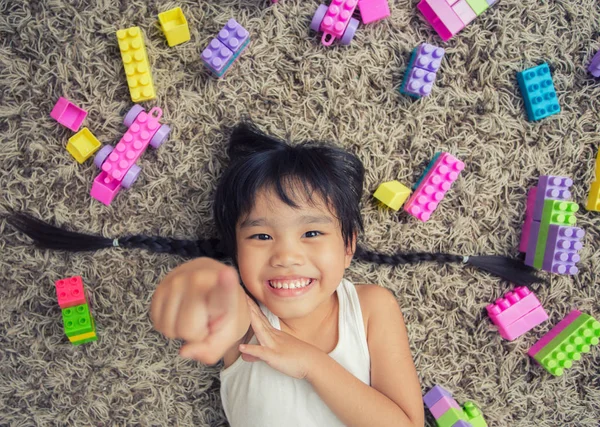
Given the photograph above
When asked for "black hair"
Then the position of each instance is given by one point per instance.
(259, 162)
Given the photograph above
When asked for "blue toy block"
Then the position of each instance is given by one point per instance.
(427, 169)
(538, 92)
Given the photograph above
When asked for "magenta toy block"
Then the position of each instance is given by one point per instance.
(434, 395)
(69, 292)
(442, 405)
(531, 194)
(534, 233)
(336, 21)
(551, 187)
(562, 249)
(553, 333)
(434, 187)
(464, 11)
(233, 35)
(524, 324)
(594, 67)
(373, 10)
(68, 114)
(513, 306)
(441, 17)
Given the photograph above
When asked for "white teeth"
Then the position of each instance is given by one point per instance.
(285, 286)
(293, 284)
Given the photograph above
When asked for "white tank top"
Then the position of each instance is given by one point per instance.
(256, 395)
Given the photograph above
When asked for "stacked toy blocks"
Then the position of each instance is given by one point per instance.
(424, 63)
(77, 319)
(594, 67)
(392, 194)
(433, 186)
(517, 313)
(448, 413)
(174, 26)
(137, 66)
(565, 343)
(222, 51)
(448, 17)
(554, 243)
(538, 92)
(593, 202)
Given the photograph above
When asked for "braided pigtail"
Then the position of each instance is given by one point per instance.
(49, 236)
(513, 270)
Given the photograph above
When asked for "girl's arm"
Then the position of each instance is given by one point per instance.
(394, 397)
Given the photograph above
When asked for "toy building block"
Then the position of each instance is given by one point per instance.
(562, 249)
(556, 212)
(538, 92)
(68, 114)
(551, 187)
(174, 26)
(434, 187)
(451, 417)
(531, 194)
(478, 6)
(421, 72)
(441, 17)
(82, 145)
(222, 51)
(553, 333)
(567, 346)
(373, 10)
(137, 66)
(427, 169)
(434, 395)
(462, 423)
(463, 11)
(336, 21)
(69, 292)
(594, 67)
(443, 405)
(534, 233)
(77, 320)
(474, 415)
(593, 202)
(392, 194)
(118, 165)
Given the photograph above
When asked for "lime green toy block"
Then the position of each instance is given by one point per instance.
(77, 320)
(478, 6)
(175, 26)
(392, 194)
(555, 212)
(82, 145)
(474, 415)
(567, 346)
(450, 417)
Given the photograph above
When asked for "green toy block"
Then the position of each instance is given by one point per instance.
(450, 417)
(77, 320)
(474, 415)
(557, 212)
(478, 6)
(567, 346)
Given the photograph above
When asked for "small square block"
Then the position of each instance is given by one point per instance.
(434, 395)
(551, 187)
(174, 26)
(474, 415)
(524, 324)
(373, 10)
(392, 194)
(421, 71)
(233, 35)
(82, 145)
(442, 405)
(451, 417)
(77, 320)
(68, 114)
(538, 92)
(69, 292)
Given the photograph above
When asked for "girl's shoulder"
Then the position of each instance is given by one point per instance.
(372, 298)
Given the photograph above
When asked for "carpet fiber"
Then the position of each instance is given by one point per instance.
(292, 87)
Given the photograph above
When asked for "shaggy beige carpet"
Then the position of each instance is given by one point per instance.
(292, 87)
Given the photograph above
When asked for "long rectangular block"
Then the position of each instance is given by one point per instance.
(424, 63)
(538, 92)
(531, 195)
(551, 334)
(137, 66)
(534, 233)
(562, 249)
(427, 169)
(524, 324)
(223, 50)
(593, 201)
(517, 313)
(441, 17)
(555, 212)
(551, 187)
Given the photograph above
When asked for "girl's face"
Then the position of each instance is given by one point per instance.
(291, 260)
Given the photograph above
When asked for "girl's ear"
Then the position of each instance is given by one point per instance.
(350, 251)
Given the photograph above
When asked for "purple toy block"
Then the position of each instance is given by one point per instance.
(434, 395)
(216, 55)
(532, 243)
(551, 187)
(561, 249)
(594, 67)
(462, 423)
(429, 57)
(442, 405)
(553, 333)
(420, 82)
(531, 194)
(233, 35)
(68, 114)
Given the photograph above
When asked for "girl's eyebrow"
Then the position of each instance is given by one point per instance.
(304, 219)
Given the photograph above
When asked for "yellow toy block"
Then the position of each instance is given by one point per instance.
(598, 165)
(593, 203)
(137, 66)
(82, 145)
(392, 194)
(83, 336)
(174, 25)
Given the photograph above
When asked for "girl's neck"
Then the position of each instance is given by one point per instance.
(309, 325)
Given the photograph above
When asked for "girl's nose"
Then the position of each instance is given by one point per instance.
(286, 255)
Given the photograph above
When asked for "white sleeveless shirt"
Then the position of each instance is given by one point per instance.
(256, 395)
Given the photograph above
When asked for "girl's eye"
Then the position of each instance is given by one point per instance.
(260, 236)
(313, 233)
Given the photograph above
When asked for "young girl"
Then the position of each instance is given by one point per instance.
(301, 346)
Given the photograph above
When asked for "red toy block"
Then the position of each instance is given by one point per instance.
(70, 292)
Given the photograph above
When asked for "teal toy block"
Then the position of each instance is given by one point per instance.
(538, 92)
(77, 320)
(427, 169)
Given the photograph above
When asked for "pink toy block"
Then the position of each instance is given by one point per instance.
(562, 249)
(434, 187)
(336, 21)
(373, 10)
(513, 306)
(551, 187)
(553, 333)
(464, 11)
(531, 194)
(69, 292)
(442, 405)
(524, 324)
(441, 16)
(434, 395)
(68, 114)
(594, 67)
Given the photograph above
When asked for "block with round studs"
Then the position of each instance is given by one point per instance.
(538, 92)
(137, 66)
